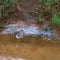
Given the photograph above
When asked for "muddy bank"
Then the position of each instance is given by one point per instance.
(21, 30)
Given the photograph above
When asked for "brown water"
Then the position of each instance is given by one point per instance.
(29, 48)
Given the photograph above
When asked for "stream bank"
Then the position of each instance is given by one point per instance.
(22, 29)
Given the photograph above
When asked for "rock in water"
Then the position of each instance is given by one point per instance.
(19, 34)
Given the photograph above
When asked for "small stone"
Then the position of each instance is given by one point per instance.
(20, 59)
(49, 39)
(11, 58)
(4, 58)
(44, 38)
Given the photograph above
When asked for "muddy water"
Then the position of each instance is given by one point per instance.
(29, 48)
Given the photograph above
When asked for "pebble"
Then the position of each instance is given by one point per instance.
(10, 58)
(49, 39)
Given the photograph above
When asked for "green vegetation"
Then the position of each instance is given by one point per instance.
(34, 11)
(8, 2)
(47, 29)
(48, 4)
(55, 21)
(52, 6)
(5, 6)
(40, 20)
